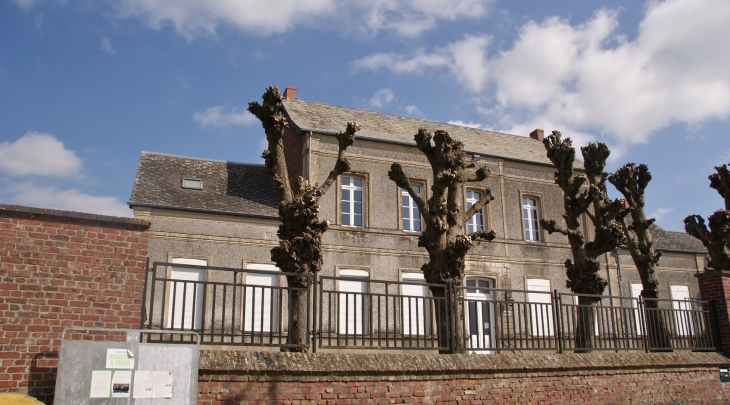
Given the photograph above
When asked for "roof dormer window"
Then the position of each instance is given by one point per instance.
(192, 184)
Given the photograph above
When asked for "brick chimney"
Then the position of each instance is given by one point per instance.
(290, 92)
(538, 134)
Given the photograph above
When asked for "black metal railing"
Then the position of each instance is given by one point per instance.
(250, 308)
(379, 314)
(225, 306)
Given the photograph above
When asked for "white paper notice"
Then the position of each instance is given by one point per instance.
(119, 358)
(121, 381)
(101, 381)
(163, 384)
(143, 383)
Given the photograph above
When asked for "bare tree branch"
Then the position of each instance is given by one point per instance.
(397, 175)
(485, 199)
(274, 123)
(345, 138)
(720, 181)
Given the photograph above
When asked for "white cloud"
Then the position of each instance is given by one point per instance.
(106, 46)
(38, 154)
(34, 195)
(467, 124)
(660, 213)
(381, 98)
(589, 79)
(26, 4)
(405, 17)
(219, 116)
(413, 111)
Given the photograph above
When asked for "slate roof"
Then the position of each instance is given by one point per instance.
(324, 118)
(676, 241)
(228, 187)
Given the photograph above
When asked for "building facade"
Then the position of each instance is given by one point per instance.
(224, 214)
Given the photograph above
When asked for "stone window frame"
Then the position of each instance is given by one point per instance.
(168, 275)
(366, 204)
(538, 197)
(486, 214)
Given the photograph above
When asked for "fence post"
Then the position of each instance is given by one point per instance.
(716, 326)
(313, 291)
(451, 316)
(642, 323)
(557, 319)
(143, 316)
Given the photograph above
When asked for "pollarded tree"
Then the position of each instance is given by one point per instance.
(445, 219)
(631, 181)
(582, 271)
(717, 238)
(300, 231)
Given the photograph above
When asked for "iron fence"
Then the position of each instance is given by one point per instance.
(224, 306)
(377, 314)
(249, 307)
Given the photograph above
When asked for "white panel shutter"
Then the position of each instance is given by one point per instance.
(682, 309)
(635, 293)
(541, 306)
(415, 307)
(261, 299)
(351, 308)
(185, 308)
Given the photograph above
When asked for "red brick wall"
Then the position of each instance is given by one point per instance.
(242, 378)
(715, 285)
(690, 385)
(60, 269)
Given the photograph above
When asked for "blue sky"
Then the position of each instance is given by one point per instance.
(86, 86)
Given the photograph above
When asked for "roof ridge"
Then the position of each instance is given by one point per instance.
(200, 159)
(410, 118)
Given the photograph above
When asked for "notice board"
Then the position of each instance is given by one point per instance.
(97, 372)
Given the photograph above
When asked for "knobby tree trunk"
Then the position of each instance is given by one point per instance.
(578, 198)
(631, 181)
(300, 232)
(717, 238)
(445, 220)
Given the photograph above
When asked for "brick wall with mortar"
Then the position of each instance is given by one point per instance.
(715, 285)
(228, 378)
(61, 269)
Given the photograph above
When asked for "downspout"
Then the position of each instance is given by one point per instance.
(309, 157)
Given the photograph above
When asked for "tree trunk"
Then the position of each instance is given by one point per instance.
(631, 181)
(296, 338)
(657, 334)
(585, 324)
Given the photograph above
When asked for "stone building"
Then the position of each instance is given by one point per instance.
(218, 213)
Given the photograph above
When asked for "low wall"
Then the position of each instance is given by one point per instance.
(228, 378)
(61, 269)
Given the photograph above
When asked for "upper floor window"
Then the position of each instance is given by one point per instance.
(530, 217)
(476, 222)
(409, 210)
(352, 201)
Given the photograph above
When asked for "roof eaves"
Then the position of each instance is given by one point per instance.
(133, 204)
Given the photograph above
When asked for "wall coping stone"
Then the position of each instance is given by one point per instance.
(6, 209)
(712, 273)
(354, 364)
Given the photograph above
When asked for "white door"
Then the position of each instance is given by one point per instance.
(541, 306)
(351, 308)
(682, 309)
(185, 308)
(635, 293)
(415, 307)
(479, 312)
(261, 299)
